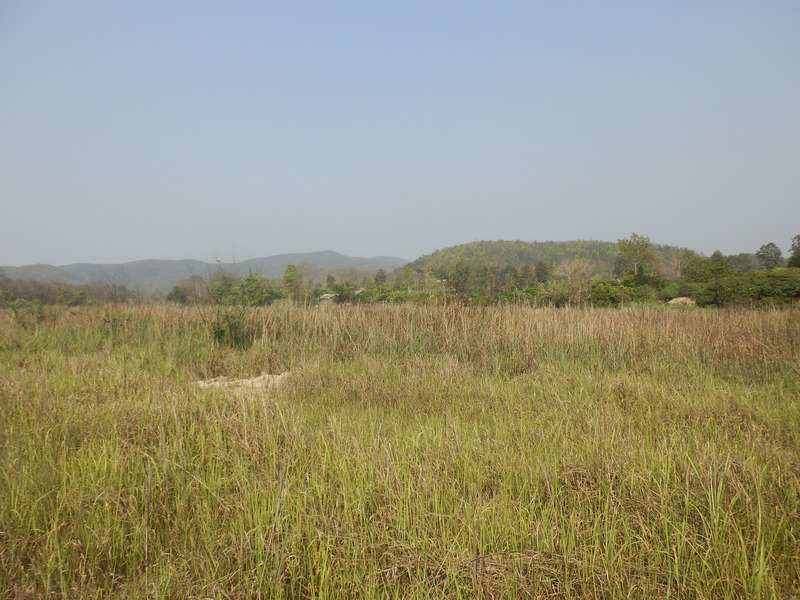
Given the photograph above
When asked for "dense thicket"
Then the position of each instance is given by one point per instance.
(762, 288)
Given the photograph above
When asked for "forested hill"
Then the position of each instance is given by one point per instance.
(599, 255)
(145, 275)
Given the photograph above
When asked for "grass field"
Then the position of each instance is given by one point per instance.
(412, 452)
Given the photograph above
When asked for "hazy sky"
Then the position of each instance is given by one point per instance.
(185, 129)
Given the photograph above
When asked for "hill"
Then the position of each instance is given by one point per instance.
(599, 255)
(274, 266)
(146, 275)
(41, 273)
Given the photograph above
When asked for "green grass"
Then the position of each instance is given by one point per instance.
(414, 452)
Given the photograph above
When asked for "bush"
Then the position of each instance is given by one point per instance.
(230, 328)
(668, 292)
(759, 288)
(610, 293)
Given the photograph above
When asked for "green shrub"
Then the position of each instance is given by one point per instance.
(610, 293)
(230, 328)
(759, 288)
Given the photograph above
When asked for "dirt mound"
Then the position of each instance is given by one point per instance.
(681, 301)
(262, 381)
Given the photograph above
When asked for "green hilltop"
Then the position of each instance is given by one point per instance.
(600, 256)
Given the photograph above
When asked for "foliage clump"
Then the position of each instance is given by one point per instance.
(760, 288)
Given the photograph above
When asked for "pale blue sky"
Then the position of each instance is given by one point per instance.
(178, 129)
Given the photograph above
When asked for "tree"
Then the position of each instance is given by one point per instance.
(681, 259)
(525, 276)
(408, 277)
(345, 293)
(717, 257)
(794, 259)
(256, 291)
(178, 294)
(105, 292)
(461, 278)
(355, 278)
(293, 280)
(222, 288)
(577, 274)
(743, 262)
(770, 256)
(574, 269)
(194, 290)
(6, 295)
(634, 255)
(544, 271)
(380, 278)
(609, 293)
(699, 269)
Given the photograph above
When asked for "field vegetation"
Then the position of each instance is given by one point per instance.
(413, 451)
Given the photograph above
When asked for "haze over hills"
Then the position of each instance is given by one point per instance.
(145, 275)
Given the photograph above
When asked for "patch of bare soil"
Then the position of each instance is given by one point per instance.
(261, 382)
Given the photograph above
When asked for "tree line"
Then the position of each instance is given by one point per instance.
(638, 273)
(58, 292)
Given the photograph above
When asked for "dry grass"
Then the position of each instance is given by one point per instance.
(415, 452)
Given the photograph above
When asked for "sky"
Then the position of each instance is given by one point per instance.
(234, 130)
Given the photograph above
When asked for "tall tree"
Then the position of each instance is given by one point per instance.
(461, 277)
(681, 259)
(525, 276)
(293, 280)
(699, 269)
(544, 271)
(794, 259)
(743, 262)
(257, 291)
(576, 276)
(717, 257)
(634, 255)
(770, 256)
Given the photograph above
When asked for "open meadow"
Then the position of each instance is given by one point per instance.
(412, 451)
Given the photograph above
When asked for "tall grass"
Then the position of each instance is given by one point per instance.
(413, 452)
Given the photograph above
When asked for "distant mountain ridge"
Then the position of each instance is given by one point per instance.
(146, 275)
